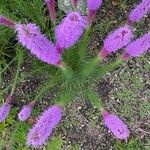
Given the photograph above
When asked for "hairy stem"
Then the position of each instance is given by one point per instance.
(94, 99)
(101, 71)
(47, 86)
(17, 72)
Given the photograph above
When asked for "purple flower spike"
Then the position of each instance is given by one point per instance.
(40, 132)
(30, 37)
(51, 4)
(139, 12)
(137, 47)
(116, 40)
(93, 6)
(5, 108)
(116, 125)
(6, 22)
(25, 113)
(70, 30)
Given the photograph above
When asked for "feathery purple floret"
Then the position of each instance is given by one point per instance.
(30, 37)
(116, 40)
(70, 30)
(138, 13)
(6, 22)
(139, 46)
(5, 109)
(25, 113)
(51, 4)
(40, 132)
(94, 5)
(116, 126)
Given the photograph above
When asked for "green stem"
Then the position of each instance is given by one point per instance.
(31, 73)
(66, 72)
(83, 45)
(64, 99)
(90, 66)
(54, 24)
(7, 65)
(17, 73)
(46, 87)
(101, 71)
(94, 99)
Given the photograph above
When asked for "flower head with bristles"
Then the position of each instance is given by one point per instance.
(139, 12)
(93, 6)
(29, 35)
(25, 112)
(137, 47)
(70, 30)
(40, 132)
(116, 126)
(116, 40)
(5, 108)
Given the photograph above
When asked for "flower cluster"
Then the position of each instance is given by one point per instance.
(43, 128)
(138, 13)
(69, 30)
(93, 6)
(5, 108)
(116, 40)
(29, 36)
(116, 125)
(137, 47)
(25, 112)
